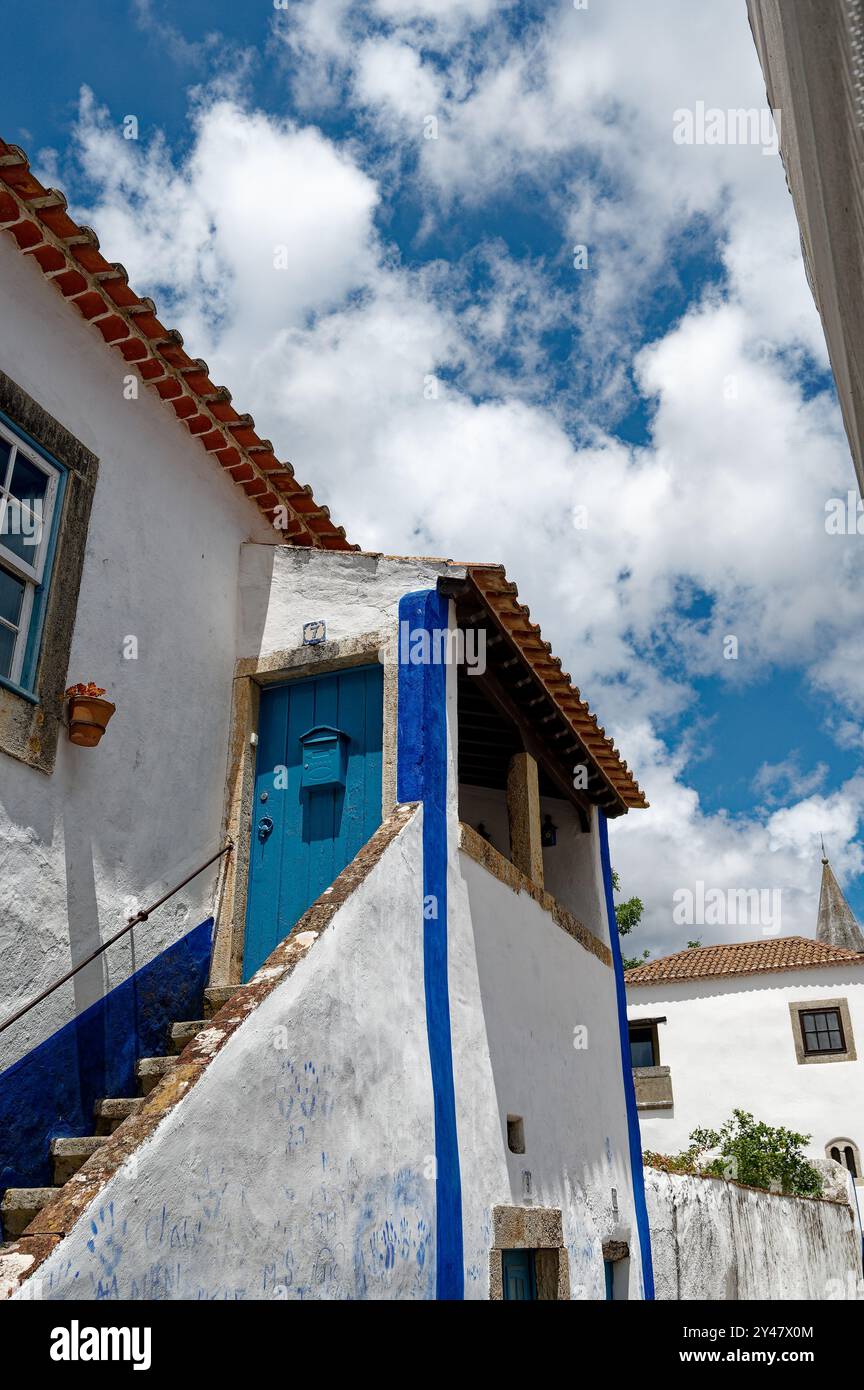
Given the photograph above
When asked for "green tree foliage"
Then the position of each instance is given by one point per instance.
(628, 915)
(747, 1151)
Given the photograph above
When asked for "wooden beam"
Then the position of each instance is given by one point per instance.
(523, 811)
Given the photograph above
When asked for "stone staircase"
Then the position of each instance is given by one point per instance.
(20, 1205)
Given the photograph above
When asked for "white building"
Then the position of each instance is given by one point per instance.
(774, 1027)
(810, 53)
(413, 1080)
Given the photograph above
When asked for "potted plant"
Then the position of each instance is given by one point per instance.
(88, 714)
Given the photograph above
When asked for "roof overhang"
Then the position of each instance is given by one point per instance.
(69, 257)
(525, 680)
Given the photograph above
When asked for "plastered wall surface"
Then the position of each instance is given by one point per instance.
(303, 1164)
(730, 1044)
(310, 1169)
(352, 593)
(487, 806)
(571, 869)
(521, 988)
(306, 1169)
(114, 826)
(713, 1240)
(300, 1166)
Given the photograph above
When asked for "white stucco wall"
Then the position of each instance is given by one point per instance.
(127, 819)
(713, 1240)
(730, 1043)
(571, 869)
(301, 1170)
(487, 806)
(354, 594)
(519, 987)
(309, 1171)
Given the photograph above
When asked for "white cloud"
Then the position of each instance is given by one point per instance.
(391, 77)
(786, 779)
(334, 353)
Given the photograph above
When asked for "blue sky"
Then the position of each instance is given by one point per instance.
(676, 387)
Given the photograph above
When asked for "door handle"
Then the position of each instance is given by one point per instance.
(265, 828)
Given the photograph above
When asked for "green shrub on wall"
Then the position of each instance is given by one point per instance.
(748, 1151)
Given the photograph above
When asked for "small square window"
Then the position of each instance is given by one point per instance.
(643, 1049)
(822, 1030)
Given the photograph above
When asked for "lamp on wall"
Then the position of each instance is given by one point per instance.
(548, 832)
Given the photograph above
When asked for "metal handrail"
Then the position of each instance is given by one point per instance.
(132, 922)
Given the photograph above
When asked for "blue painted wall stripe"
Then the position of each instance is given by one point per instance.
(422, 776)
(50, 1092)
(636, 1174)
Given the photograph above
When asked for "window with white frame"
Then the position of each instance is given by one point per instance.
(30, 489)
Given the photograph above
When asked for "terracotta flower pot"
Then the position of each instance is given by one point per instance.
(88, 718)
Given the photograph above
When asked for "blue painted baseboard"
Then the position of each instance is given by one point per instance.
(51, 1091)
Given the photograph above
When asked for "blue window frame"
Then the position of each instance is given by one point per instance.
(32, 486)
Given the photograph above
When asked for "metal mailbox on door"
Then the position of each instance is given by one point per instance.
(325, 757)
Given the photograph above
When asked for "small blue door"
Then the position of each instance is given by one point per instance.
(520, 1280)
(317, 796)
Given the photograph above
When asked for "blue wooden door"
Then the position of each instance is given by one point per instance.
(304, 835)
(519, 1277)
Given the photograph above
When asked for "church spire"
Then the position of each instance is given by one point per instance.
(836, 923)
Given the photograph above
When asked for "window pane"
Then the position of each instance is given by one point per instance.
(7, 647)
(21, 529)
(5, 451)
(809, 1023)
(29, 483)
(11, 596)
(641, 1052)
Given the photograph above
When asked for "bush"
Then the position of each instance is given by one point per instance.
(747, 1151)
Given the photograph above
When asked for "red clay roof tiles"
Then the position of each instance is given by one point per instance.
(69, 256)
(741, 958)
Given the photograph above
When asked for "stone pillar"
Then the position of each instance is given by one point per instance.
(523, 810)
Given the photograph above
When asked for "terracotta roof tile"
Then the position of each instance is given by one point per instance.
(69, 256)
(741, 958)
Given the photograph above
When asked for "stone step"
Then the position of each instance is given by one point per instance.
(183, 1033)
(218, 995)
(112, 1111)
(150, 1071)
(20, 1205)
(68, 1154)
